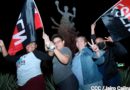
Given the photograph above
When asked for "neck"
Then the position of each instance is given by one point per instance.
(80, 49)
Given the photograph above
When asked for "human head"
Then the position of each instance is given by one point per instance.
(31, 47)
(81, 42)
(58, 41)
(66, 8)
(101, 43)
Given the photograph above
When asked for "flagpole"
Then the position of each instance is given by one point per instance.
(106, 11)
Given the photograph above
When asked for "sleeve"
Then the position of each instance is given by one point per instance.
(93, 36)
(12, 58)
(66, 51)
(99, 60)
(42, 56)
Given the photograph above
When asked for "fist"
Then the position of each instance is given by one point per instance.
(56, 2)
(1, 43)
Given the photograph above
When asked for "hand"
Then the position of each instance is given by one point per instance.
(46, 39)
(1, 43)
(93, 46)
(51, 46)
(108, 39)
(2, 47)
(74, 9)
(57, 2)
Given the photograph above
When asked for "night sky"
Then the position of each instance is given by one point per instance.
(87, 11)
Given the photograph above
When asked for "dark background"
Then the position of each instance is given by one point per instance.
(87, 11)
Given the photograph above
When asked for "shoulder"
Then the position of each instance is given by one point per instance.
(66, 50)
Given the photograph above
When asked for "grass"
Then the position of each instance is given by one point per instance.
(8, 82)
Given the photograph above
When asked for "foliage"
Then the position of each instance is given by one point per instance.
(49, 83)
(8, 82)
(125, 77)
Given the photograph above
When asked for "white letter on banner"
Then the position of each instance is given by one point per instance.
(21, 23)
(18, 36)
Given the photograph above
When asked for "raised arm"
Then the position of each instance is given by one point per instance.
(93, 35)
(5, 53)
(57, 5)
(63, 57)
(48, 44)
(93, 28)
(3, 49)
(74, 13)
(95, 48)
(98, 55)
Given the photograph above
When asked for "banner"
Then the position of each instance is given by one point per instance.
(117, 20)
(29, 20)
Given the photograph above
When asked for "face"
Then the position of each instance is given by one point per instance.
(59, 43)
(31, 47)
(66, 8)
(98, 40)
(101, 43)
(80, 43)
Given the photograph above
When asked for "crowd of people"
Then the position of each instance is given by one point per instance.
(94, 64)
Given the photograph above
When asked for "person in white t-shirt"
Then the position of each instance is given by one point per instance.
(29, 72)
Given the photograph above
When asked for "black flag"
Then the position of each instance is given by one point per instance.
(117, 20)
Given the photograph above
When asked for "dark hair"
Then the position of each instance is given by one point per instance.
(83, 36)
(56, 36)
(27, 43)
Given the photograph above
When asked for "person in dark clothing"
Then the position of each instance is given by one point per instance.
(29, 72)
(113, 50)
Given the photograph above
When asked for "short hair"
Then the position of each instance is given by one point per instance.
(27, 43)
(82, 36)
(57, 36)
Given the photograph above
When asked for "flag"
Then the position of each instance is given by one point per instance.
(29, 20)
(117, 20)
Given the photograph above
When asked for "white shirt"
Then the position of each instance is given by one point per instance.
(28, 66)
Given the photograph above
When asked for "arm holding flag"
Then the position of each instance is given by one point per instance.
(93, 35)
(63, 58)
(48, 44)
(118, 49)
